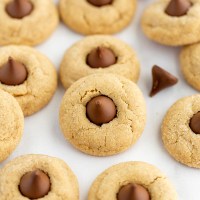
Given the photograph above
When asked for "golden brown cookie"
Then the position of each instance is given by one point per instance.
(28, 75)
(84, 17)
(40, 173)
(166, 29)
(27, 22)
(131, 179)
(190, 65)
(99, 54)
(11, 124)
(181, 131)
(102, 114)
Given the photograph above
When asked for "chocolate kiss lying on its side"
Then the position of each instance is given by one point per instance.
(161, 80)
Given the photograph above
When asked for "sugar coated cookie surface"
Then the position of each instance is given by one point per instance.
(99, 54)
(97, 19)
(136, 180)
(27, 22)
(11, 123)
(190, 65)
(103, 114)
(38, 177)
(28, 75)
(166, 29)
(181, 131)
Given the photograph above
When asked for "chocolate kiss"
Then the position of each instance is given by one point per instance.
(13, 73)
(101, 57)
(161, 80)
(133, 192)
(178, 8)
(19, 8)
(100, 2)
(101, 110)
(195, 123)
(35, 184)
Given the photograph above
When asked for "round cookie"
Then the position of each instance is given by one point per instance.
(107, 125)
(33, 28)
(63, 183)
(189, 59)
(40, 82)
(92, 19)
(75, 62)
(180, 131)
(132, 178)
(172, 30)
(11, 123)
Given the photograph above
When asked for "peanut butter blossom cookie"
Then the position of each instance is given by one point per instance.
(97, 16)
(98, 54)
(172, 22)
(38, 177)
(28, 75)
(102, 114)
(190, 65)
(181, 131)
(11, 123)
(132, 181)
(28, 22)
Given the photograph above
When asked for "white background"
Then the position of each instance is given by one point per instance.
(43, 136)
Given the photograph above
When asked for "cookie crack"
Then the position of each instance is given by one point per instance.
(154, 180)
(88, 92)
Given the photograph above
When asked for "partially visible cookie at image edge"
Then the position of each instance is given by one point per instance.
(172, 22)
(181, 131)
(27, 22)
(190, 64)
(132, 180)
(11, 123)
(97, 17)
(37, 176)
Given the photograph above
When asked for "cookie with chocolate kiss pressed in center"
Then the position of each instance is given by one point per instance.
(27, 22)
(181, 131)
(102, 114)
(99, 54)
(172, 22)
(37, 176)
(27, 75)
(132, 181)
(97, 16)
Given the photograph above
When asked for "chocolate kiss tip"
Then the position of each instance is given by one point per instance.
(99, 52)
(161, 80)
